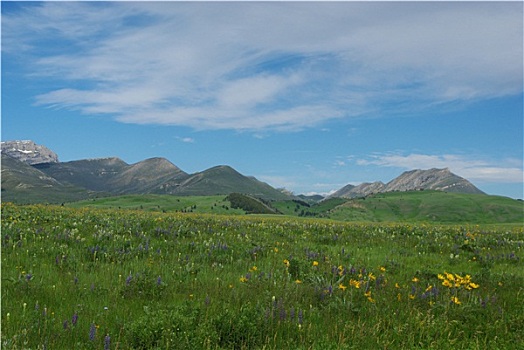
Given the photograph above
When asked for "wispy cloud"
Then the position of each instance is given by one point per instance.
(265, 66)
(508, 170)
(185, 139)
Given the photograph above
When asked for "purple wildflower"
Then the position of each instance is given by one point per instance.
(65, 324)
(300, 317)
(74, 319)
(159, 281)
(107, 342)
(128, 279)
(76, 280)
(92, 332)
(282, 314)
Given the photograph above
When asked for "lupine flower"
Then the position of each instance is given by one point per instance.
(74, 319)
(107, 342)
(92, 332)
(128, 279)
(159, 281)
(65, 324)
(300, 317)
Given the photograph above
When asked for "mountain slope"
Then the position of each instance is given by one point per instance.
(431, 206)
(225, 180)
(92, 174)
(22, 183)
(432, 179)
(29, 152)
(147, 176)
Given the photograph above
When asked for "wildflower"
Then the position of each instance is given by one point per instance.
(315, 263)
(397, 286)
(411, 296)
(159, 281)
(300, 317)
(398, 297)
(415, 279)
(74, 319)
(342, 287)
(298, 281)
(107, 342)
(286, 262)
(354, 283)
(440, 276)
(243, 279)
(65, 324)
(430, 287)
(473, 285)
(447, 283)
(92, 332)
(371, 276)
(382, 269)
(455, 300)
(254, 268)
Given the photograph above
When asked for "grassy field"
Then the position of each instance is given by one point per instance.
(414, 206)
(84, 278)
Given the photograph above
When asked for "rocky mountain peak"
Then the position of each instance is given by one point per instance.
(29, 152)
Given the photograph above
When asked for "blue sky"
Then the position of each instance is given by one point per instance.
(309, 96)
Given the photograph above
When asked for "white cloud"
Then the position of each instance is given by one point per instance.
(259, 66)
(185, 139)
(481, 170)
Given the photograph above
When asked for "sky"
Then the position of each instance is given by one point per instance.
(308, 96)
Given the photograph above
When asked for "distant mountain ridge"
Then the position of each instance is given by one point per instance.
(431, 179)
(113, 176)
(30, 178)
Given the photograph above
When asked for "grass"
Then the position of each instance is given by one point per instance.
(85, 278)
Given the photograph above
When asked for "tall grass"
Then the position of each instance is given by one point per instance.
(109, 279)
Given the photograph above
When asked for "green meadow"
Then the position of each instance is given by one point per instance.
(121, 278)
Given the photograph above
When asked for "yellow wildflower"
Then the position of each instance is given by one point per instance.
(382, 269)
(397, 286)
(371, 276)
(315, 263)
(298, 281)
(286, 262)
(473, 285)
(411, 296)
(447, 283)
(415, 279)
(354, 283)
(243, 279)
(398, 297)
(456, 300)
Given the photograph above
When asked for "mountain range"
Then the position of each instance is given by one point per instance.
(40, 177)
